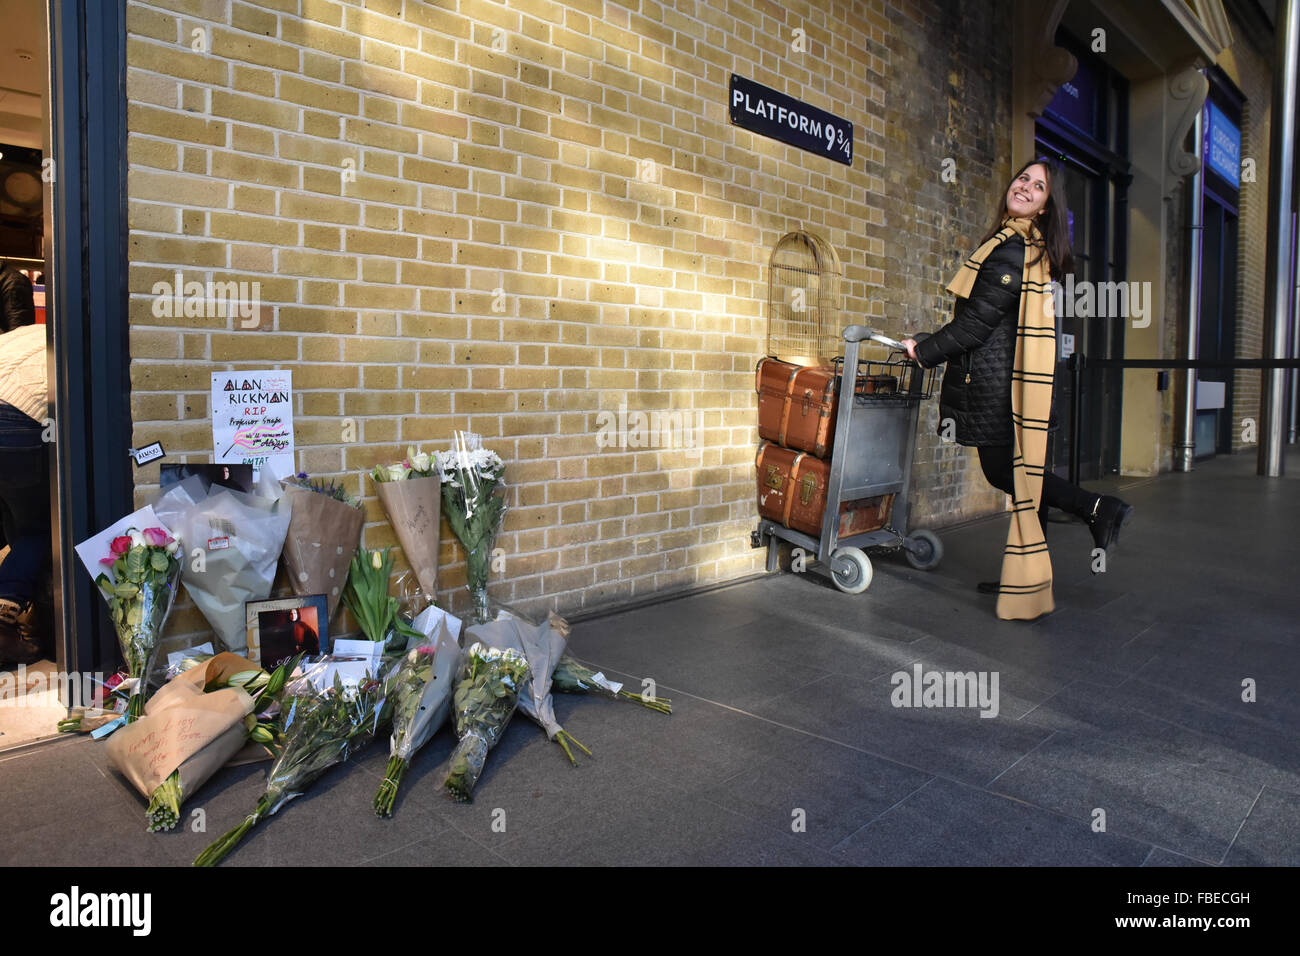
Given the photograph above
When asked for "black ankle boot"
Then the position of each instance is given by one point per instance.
(1108, 516)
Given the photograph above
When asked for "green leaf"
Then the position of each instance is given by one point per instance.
(159, 561)
(135, 563)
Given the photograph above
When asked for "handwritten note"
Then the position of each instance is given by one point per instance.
(252, 419)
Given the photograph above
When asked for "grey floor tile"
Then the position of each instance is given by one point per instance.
(945, 741)
(1271, 834)
(826, 790)
(947, 824)
(1163, 857)
(1145, 796)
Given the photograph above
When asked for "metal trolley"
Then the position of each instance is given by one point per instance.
(875, 440)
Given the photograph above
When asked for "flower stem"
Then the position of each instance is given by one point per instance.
(662, 704)
(135, 707)
(388, 787)
(222, 846)
(563, 736)
(164, 810)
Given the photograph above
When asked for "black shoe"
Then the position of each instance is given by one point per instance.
(989, 587)
(1108, 517)
(20, 637)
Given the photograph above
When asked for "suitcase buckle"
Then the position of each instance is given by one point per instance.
(773, 479)
(807, 488)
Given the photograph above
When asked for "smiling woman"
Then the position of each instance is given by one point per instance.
(998, 391)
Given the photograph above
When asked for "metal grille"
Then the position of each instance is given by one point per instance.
(803, 300)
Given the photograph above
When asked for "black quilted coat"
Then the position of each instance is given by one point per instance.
(979, 345)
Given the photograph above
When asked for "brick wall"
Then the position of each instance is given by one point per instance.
(510, 218)
(1255, 78)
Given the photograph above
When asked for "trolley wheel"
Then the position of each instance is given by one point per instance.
(924, 550)
(851, 570)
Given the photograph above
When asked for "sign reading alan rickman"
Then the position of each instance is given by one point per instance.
(763, 110)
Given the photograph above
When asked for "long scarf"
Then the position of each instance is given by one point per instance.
(1026, 587)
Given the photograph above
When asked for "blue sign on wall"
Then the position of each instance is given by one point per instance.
(1222, 145)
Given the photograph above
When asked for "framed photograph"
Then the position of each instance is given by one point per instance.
(278, 629)
(236, 477)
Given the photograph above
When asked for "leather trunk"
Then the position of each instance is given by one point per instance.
(792, 491)
(796, 406)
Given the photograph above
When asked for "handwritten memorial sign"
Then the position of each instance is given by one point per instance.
(252, 419)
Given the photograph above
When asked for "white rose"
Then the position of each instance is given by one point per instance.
(137, 539)
(420, 462)
(171, 548)
(397, 472)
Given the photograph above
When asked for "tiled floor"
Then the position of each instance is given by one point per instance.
(1122, 737)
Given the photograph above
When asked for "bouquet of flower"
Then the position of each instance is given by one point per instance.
(367, 597)
(321, 724)
(571, 677)
(421, 689)
(324, 529)
(192, 727)
(244, 535)
(410, 493)
(485, 700)
(473, 497)
(140, 593)
(543, 648)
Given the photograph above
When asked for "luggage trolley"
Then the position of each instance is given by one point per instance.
(875, 439)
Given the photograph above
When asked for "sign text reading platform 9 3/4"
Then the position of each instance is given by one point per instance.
(763, 110)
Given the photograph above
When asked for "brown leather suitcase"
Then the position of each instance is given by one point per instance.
(796, 405)
(792, 491)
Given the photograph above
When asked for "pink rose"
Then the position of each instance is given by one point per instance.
(157, 537)
(121, 545)
(108, 562)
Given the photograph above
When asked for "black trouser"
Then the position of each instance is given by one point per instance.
(1057, 492)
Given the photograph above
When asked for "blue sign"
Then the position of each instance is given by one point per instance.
(1222, 145)
(1076, 100)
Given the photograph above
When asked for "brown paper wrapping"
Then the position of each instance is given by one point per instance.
(323, 536)
(414, 508)
(194, 731)
(184, 728)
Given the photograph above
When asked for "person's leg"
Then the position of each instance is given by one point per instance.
(995, 460)
(24, 490)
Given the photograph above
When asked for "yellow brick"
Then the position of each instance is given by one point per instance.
(332, 98)
(176, 60)
(380, 135)
(378, 297)
(249, 169)
(252, 228)
(316, 265)
(323, 11)
(379, 80)
(315, 208)
(261, 51)
(381, 243)
(174, 126)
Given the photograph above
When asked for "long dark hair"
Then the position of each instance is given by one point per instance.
(1052, 222)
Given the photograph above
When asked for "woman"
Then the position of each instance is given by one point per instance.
(997, 391)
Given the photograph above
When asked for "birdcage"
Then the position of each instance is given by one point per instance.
(803, 300)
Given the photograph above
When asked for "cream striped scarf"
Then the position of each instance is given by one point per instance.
(1026, 587)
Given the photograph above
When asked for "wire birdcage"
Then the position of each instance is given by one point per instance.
(803, 300)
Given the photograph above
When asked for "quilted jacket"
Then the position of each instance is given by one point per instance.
(979, 345)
